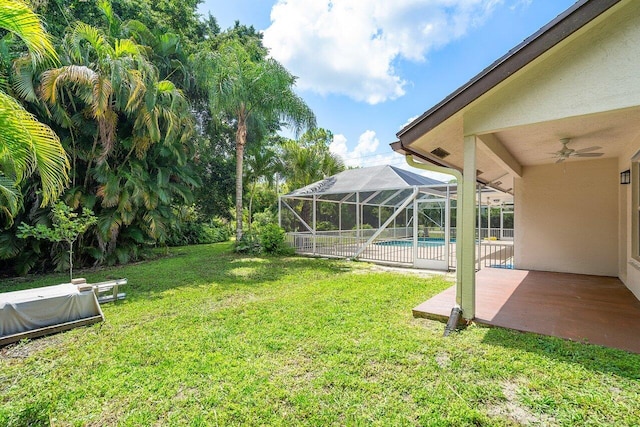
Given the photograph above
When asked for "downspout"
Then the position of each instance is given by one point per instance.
(456, 311)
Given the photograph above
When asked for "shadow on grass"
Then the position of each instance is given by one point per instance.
(195, 266)
(590, 357)
(215, 264)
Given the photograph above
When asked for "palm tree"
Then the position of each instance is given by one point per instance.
(309, 160)
(244, 90)
(106, 76)
(262, 164)
(26, 145)
(134, 154)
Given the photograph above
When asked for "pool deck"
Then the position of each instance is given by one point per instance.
(594, 309)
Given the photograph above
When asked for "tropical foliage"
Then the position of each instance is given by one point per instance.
(66, 227)
(309, 160)
(146, 115)
(26, 145)
(251, 92)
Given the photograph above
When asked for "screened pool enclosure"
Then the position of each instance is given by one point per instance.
(388, 215)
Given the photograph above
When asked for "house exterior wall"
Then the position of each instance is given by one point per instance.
(567, 218)
(592, 71)
(628, 268)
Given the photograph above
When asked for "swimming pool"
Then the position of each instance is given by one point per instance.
(425, 242)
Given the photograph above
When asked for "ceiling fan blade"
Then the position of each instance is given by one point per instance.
(560, 160)
(585, 150)
(588, 154)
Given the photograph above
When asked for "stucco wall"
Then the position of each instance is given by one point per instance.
(593, 71)
(628, 269)
(567, 217)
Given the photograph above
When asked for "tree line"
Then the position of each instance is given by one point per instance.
(150, 116)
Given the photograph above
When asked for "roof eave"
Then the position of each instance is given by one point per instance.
(565, 24)
(400, 148)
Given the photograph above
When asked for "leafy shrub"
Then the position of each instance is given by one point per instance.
(363, 227)
(324, 226)
(67, 226)
(249, 244)
(195, 233)
(261, 219)
(272, 239)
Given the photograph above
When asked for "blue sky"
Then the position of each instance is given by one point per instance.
(366, 67)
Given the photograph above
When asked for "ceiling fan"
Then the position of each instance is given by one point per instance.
(565, 152)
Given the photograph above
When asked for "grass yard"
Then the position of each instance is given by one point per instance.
(206, 337)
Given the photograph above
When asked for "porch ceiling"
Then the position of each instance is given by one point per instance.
(535, 144)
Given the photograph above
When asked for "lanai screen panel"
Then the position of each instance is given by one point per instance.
(361, 213)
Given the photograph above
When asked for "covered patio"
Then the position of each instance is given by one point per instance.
(594, 309)
(554, 122)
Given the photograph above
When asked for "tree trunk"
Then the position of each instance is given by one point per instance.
(250, 217)
(70, 261)
(241, 138)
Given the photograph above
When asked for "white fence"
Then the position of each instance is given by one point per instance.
(396, 246)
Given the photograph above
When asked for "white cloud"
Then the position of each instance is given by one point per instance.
(364, 155)
(350, 47)
(408, 122)
(339, 146)
(367, 145)
(520, 4)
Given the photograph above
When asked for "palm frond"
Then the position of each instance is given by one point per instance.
(32, 146)
(24, 71)
(10, 199)
(76, 75)
(126, 47)
(96, 40)
(18, 18)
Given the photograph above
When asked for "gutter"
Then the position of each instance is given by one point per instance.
(400, 148)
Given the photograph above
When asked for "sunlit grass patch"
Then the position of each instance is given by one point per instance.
(209, 338)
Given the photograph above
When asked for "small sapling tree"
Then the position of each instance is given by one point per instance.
(66, 226)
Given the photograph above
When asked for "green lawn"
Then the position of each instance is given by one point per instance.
(209, 338)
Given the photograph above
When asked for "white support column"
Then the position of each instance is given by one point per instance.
(340, 221)
(489, 220)
(447, 226)
(314, 224)
(501, 222)
(416, 240)
(406, 223)
(468, 273)
(394, 222)
(358, 217)
(479, 241)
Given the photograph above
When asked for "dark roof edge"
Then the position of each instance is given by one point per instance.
(565, 24)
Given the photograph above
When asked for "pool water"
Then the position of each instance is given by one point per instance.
(422, 242)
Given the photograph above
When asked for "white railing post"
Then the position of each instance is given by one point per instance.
(447, 226)
(314, 224)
